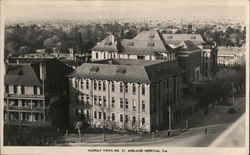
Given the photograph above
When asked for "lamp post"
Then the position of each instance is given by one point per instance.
(169, 121)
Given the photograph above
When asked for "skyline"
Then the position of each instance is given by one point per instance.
(86, 10)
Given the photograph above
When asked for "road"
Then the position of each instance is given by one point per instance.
(217, 122)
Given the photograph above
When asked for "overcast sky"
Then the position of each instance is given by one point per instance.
(34, 10)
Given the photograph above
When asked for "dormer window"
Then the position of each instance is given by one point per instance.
(169, 37)
(193, 37)
(151, 36)
(121, 70)
(151, 44)
(94, 69)
(130, 44)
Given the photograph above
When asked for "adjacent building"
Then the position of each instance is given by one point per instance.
(231, 56)
(208, 55)
(147, 45)
(189, 59)
(35, 92)
(126, 94)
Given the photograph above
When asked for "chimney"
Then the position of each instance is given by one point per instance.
(42, 68)
(112, 38)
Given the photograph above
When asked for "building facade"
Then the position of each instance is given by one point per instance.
(126, 94)
(231, 56)
(34, 89)
(189, 59)
(209, 50)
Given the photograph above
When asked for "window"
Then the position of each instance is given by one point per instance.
(143, 105)
(134, 105)
(87, 84)
(143, 121)
(121, 87)
(104, 86)
(126, 118)
(113, 102)
(104, 101)
(134, 89)
(15, 89)
(81, 83)
(121, 103)
(35, 90)
(95, 100)
(100, 101)
(113, 116)
(96, 55)
(104, 115)
(121, 117)
(95, 114)
(206, 65)
(87, 113)
(143, 89)
(95, 85)
(87, 97)
(126, 103)
(76, 83)
(126, 88)
(134, 120)
(100, 115)
(99, 86)
(167, 84)
(112, 87)
(82, 98)
(6, 88)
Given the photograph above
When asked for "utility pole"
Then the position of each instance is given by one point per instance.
(169, 117)
(233, 92)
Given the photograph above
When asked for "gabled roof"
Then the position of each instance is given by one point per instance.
(187, 45)
(146, 43)
(176, 39)
(140, 71)
(21, 75)
(108, 44)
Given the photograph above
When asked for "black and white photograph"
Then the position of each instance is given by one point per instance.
(125, 76)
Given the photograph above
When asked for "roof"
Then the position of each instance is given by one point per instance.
(139, 71)
(23, 75)
(187, 45)
(230, 50)
(176, 39)
(146, 43)
(108, 44)
(29, 67)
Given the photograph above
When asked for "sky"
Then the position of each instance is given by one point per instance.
(51, 10)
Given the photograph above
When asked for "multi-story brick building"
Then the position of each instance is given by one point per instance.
(126, 92)
(189, 59)
(35, 91)
(209, 50)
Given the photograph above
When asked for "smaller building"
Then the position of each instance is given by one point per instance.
(231, 56)
(35, 92)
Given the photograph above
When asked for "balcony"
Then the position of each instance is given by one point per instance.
(25, 108)
(28, 96)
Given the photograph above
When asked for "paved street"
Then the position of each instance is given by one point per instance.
(217, 121)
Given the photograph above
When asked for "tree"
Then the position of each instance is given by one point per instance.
(133, 126)
(49, 43)
(106, 122)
